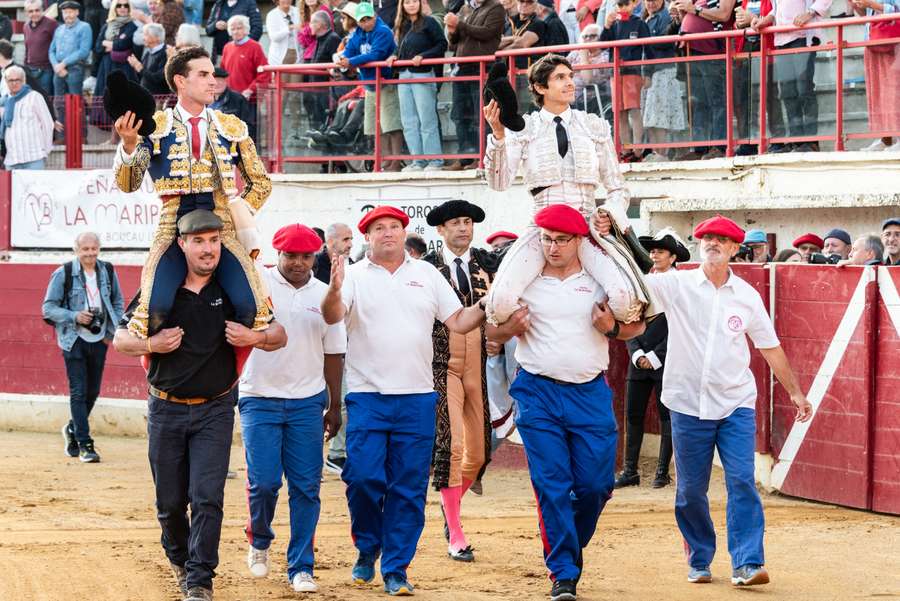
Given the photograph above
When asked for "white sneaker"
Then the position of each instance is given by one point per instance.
(304, 583)
(412, 167)
(258, 562)
(654, 157)
(876, 146)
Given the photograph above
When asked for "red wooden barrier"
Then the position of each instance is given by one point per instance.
(886, 430)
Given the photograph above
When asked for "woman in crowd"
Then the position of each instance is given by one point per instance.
(419, 36)
(591, 85)
(282, 25)
(114, 45)
(882, 73)
(663, 109)
(788, 255)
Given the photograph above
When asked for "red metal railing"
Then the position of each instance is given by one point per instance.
(765, 54)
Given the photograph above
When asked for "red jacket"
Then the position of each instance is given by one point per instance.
(241, 63)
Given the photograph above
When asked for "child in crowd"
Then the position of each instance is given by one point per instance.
(624, 25)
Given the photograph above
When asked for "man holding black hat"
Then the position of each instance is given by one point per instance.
(711, 396)
(837, 242)
(890, 238)
(463, 429)
(390, 302)
(283, 396)
(645, 371)
(194, 362)
(565, 414)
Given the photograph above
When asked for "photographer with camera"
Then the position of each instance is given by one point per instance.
(83, 303)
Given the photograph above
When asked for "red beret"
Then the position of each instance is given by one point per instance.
(719, 226)
(562, 218)
(501, 234)
(378, 213)
(296, 238)
(809, 239)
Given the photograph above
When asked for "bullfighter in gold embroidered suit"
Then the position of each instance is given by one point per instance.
(191, 157)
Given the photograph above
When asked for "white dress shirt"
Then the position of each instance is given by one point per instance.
(30, 137)
(296, 370)
(707, 371)
(450, 260)
(281, 37)
(561, 342)
(389, 319)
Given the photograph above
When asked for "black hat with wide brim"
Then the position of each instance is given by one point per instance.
(452, 209)
(669, 243)
(497, 87)
(123, 95)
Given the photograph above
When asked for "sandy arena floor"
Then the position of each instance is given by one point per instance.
(88, 532)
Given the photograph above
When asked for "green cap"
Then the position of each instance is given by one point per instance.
(199, 220)
(365, 9)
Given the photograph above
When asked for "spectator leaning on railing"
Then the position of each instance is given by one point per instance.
(38, 33)
(150, 68)
(794, 73)
(27, 127)
(867, 250)
(623, 25)
(420, 37)
(890, 237)
(476, 33)
(374, 41)
(217, 24)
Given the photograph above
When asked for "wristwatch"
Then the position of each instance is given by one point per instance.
(613, 333)
(697, 10)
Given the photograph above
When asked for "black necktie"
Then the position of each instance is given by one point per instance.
(562, 140)
(461, 278)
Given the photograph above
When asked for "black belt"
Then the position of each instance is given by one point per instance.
(564, 383)
(161, 394)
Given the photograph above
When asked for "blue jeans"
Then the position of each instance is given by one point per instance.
(84, 369)
(188, 448)
(38, 164)
(72, 83)
(193, 12)
(569, 432)
(389, 443)
(418, 114)
(707, 101)
(283, 437)
(694, 440)
(44, 78)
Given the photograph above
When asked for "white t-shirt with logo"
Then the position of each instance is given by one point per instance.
(389, 323)
(92, 301)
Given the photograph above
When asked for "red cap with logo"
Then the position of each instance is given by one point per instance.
(719, 226)
(378, 213)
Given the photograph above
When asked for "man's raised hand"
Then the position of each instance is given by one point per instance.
(128, 131)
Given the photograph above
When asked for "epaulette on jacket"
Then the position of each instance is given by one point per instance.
(230, 127)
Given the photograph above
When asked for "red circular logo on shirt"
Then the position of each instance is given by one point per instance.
(735, 323)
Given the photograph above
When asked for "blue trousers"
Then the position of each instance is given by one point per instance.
(84, 369)
(188, 448)
(284, 437)
(389, 442)
(694, 440)
(569, 432)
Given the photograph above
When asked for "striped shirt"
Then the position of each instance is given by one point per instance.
(30, 137)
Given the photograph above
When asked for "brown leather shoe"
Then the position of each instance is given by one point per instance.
(453, 166)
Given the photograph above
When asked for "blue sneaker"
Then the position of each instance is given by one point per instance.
(397, 585)
(749, 575)
(364, 569)
(699, 575)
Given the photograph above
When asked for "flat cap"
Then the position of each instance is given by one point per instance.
(378, 213)
(890, 221)
(220, 72)
(199, 220)
(452, 209)
(809, 239)
(840, 234)
(296, 238)
(561, 218)
(719, 226)
(69, 4)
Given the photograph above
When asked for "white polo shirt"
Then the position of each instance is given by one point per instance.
(296, 370)
(389, 319)
(561, 342)
(707, 371)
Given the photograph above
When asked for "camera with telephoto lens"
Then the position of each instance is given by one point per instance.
(823, 259)
(96, 320)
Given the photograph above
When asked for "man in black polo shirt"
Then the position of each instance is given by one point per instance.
(193, 366)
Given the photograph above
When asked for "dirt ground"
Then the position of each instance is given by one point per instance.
(88, 532)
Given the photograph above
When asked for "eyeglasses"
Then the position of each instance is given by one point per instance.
(14, 80)
(123, 6)
(560, 241)
(589, 36)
